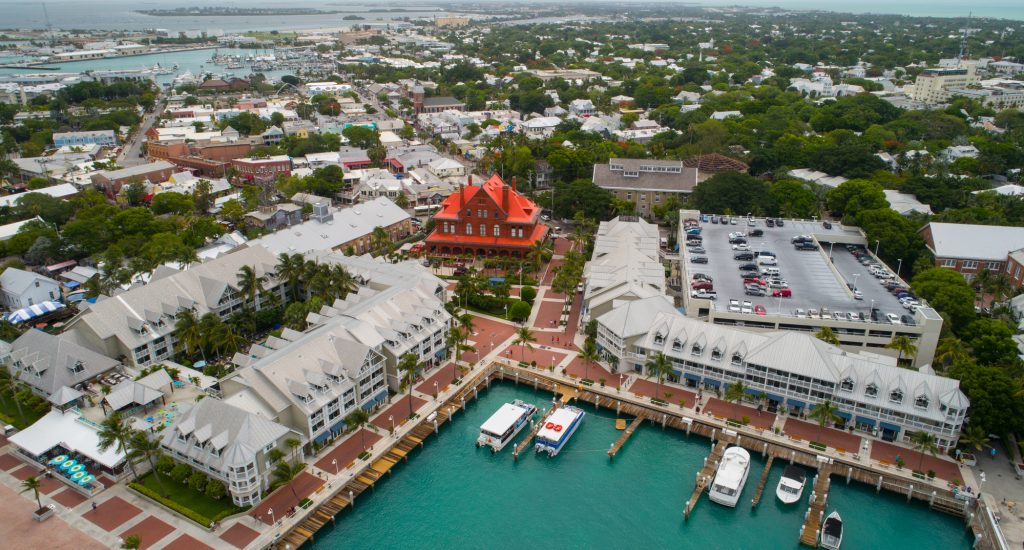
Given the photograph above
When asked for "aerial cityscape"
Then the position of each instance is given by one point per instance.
(479, 275)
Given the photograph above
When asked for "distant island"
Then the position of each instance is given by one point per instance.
(214, 11)
(353, 18)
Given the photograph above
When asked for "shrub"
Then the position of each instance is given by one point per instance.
(181, 473)
(745, 420)
(931, 474)
(275, 454)
(197, 481)
(528, 294)
(215, 489)
(165, 464)
(187, 512)
(519, 312)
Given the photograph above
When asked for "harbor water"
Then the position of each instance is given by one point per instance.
(453, 495)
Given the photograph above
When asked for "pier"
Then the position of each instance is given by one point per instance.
(760, 485)
(705, 475)
(625, 435)
(816, 513)
(522, 445)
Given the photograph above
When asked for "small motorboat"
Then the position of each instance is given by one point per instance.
(832, 532)
(791, 486)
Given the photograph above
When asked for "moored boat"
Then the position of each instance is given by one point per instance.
(791, 486)
(730, 477)
(503, 426)
(557, 430)
(832, 532)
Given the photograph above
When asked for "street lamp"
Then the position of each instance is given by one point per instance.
(855, 275)
(830, 245)
(272, 518)
(334, 461)
(876, 246)
(435, 390)
(899, 266)
(392, 420)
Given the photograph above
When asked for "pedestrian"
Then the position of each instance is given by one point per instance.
(993, 452)
(94, 506)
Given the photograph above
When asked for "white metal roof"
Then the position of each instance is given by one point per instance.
(503, 419)
(57, 428)
(979, 242)
(562, 417)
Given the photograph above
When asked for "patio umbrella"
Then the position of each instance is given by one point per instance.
(33, 311)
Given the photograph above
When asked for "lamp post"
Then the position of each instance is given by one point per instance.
(830, 245)
(392, 420)
(855, 275)
(334, 462)
(273, 520)
(435, 390)
(899, 266)
(876, 246)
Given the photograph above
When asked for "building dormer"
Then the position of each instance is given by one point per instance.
(871, 390)
(896, 396)
(846, 384)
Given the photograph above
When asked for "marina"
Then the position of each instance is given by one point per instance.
(505, 424)
(655, 469)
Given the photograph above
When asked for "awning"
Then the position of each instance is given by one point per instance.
(774, 397)
(689, 376)
(753, 392)
(795, 403)
(866, 421)
(844, 415)
(31, 312)
(890, 427)
(440, 352)
(71, 284)
(712, 382)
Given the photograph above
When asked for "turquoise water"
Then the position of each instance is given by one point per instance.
(452, 495)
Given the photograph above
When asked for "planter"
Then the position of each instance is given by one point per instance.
(43, 513)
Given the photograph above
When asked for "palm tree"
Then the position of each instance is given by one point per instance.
(291, 269)
(9, 382)
(904, 345)
(974, 436)
(827, 335)
(380, 241)
(659, 367)
(824, 413)
(735, 392)
(951, 350)
(524, 339)
(114, 432)
(408, 366)
(286, 471)
(131, 542)
(924, 442)
(295, 315)
(342, 282)
(186, 256)
(536, 255)
(32, 484)
(209, 325)
(589, 355)
(250, 284)
(226, 340)
(188, 331)
(141, 447)
(357, 419)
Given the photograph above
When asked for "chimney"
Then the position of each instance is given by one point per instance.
(462, 194)
(513, 183)
(504, 198)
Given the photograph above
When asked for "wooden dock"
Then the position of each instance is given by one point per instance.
(816, 513)
(533, 431)
(760, 484)
(704, 477)
(625, 436)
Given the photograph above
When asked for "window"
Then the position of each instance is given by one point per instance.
(78, 367)
(469, 229)
(497, 230)
(659, 339)
(716, 354)
(992, 266)
(871, 390)
(629, 196)
(696, 350)
(677, 345)
(921, 402)
(970, 264)
(737, 359)
(948, 263)
(483, 230)
(896, 396)
(846, 384)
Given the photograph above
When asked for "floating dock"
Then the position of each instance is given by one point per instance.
(533, 431)
(625, 435)
(704, 477)
(760, 485)
(816, 513)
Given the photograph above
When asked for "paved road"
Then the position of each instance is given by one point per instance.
(130, 153)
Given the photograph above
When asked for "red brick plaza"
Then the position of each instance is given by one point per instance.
(735, 411)
(670, 394)
(837, 439)
(913, 460)
(287, 497)
(348, 450)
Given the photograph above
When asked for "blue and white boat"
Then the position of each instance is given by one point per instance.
(503, 426)
(557, 430)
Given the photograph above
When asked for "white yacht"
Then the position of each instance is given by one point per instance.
(557, 430)
(791, 486)
(730, 477)
(832, 532)
(503, 426)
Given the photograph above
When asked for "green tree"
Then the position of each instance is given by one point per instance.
(524, 338)
(589, 355)
(827, 335)
(380, 241)
(823, 413)
(854, 196)
(232, 212)
(519, 311)
(408, 368)
(904, 346)
(284, 472)
(733, 193)
(923, 442)
(32, 484)
(188, 331)
(132, 542)
(356, 420)
(115, 433)
(659, 366)
(974, 437)
(141, 447)
(363, 138)
(948, 292)
(735, 393)
(250, 284)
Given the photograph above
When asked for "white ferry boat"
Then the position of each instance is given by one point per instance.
(832, 532)
(730, 477)
(557, 430)
(504, 424)
(791, 485)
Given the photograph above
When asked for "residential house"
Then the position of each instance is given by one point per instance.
(276, 216)
(48, 363)
(338, 229)
(582, 107)
(106, 138)
(111, 181)
(969, 248)
(20, 289)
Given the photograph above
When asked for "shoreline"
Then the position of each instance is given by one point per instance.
(42, 64)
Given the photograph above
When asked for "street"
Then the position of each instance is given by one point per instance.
(130, 152)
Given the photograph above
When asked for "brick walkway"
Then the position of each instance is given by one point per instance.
(112, 514)
(944, 469)
(347, 451)
(9, 462)
(837, 439)
(186, 542)
(399, 411)
(578, 368)
(149, 530)
(21, 531)
(561, 339)
(736, 411)
(543, 357)
(239, 535)
(443, 376)
(548, 315)
(70, 498)
(25, 472)
(649, 388)
(285, 498)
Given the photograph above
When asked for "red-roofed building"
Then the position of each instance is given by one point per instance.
(492, 219)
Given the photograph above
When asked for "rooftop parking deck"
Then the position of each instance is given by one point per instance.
(814, 283)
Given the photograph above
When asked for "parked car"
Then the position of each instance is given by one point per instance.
(760, 310)
(800, 239)
(779, 222)
(812, 313)
(769, 222)
(698, 250)
(826, 225)
(743, 256)
(748, 267)
(741, 246)
(764, 253)
(747, 307)
(858, 295)
(767, 260)
(778, 283)
(732, 220)
(754, 281)
(704, 276)
(755, 232)
(699, 259)
(908, 320)
(839, 316)
(893, 319)
(782, 293)
(853, 316)
(734, 306)
(702, 285)
(738, 240)
(714, 219)
(753, 290)
(800, 314)
(704, 218)
(704, 294)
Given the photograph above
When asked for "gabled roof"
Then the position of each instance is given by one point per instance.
(17, 281)
(517, 208)
(48, 362)
(971, 241)
(238, 435)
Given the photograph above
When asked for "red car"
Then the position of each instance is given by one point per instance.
(759, 309)
(783, 292)
(702, 285)
(754, 281)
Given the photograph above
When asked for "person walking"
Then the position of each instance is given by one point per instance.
(93, 506)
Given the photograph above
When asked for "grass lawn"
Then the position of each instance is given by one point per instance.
(9, 413)
(266, 35)
(184, 496)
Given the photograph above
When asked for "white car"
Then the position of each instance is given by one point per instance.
(800, 314)
(736, 234)
(853, 316)
(893, 319)
(858, 295)
(743, 247)
(747, 307)
(812, 314)
(911, 305)
(704, 294)
(734, 306)
(838, 315)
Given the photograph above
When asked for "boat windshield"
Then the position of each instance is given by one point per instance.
(790, 490)
(727, 491)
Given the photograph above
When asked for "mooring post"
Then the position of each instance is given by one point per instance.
(910, 492)
(878, 486)
(849, 473)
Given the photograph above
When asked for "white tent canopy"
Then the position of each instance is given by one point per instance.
(64, 429)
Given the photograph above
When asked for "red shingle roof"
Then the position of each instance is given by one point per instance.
(518, 209)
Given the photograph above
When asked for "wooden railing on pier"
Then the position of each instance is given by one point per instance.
(816, 513)
(760, 484)
(704, 477)
(625, 435)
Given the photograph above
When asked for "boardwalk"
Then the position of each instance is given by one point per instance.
(764, 479)
(625, 436)
(533, 431)
(704, 477)
(816, 515)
